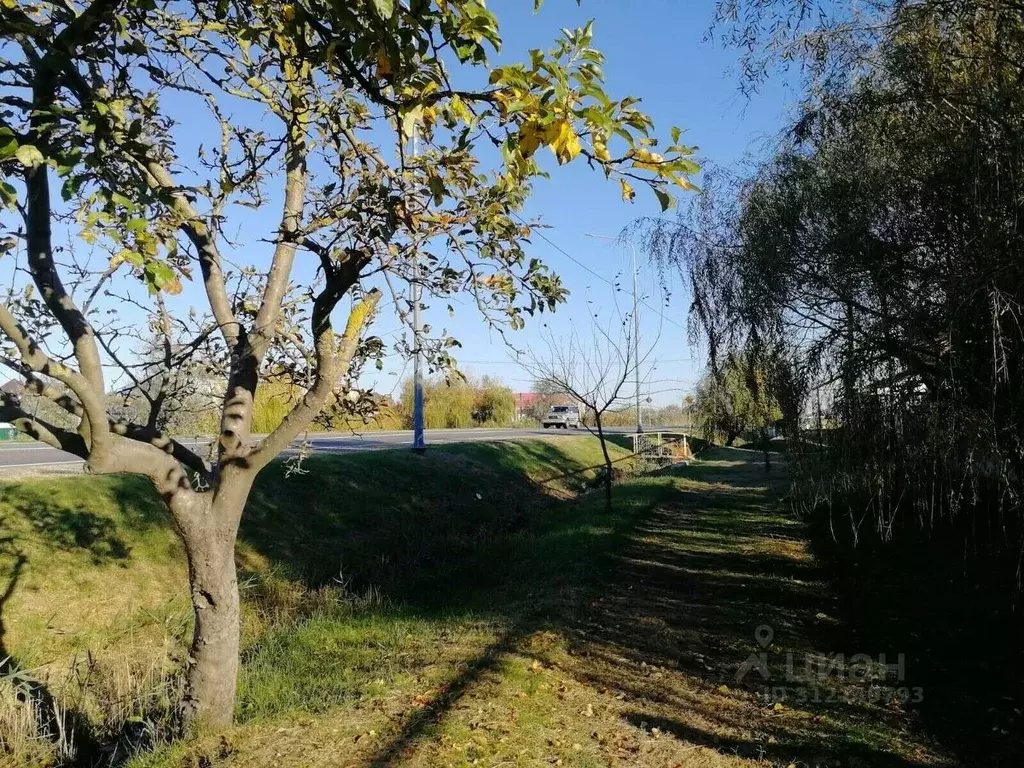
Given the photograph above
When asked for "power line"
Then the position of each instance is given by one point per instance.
(600, 277)
(596, 362)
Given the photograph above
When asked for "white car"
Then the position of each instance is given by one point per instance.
(563, 416)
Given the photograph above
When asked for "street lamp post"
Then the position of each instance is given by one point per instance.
(636, 328)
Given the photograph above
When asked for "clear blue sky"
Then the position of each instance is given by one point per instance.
(655, 50)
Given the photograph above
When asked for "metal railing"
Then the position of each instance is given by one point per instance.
(661, 445)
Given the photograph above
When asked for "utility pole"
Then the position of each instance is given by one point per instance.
(419, 443)
(636, 329)
(636, 343)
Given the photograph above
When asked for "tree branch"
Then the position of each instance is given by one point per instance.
(33, 358)
(333, 360)
(40, 430)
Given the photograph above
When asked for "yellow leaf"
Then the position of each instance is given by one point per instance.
(601, 149)
(563, 140)
(428, 116)
(644, 158)
(29, 156)
(503, 98)
(409, 121)
(383, 64)
(531, 135)
(458, 109)
(288, 12)
(627, 191)
(173, 286)
(685, 183)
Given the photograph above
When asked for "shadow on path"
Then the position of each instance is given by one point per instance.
(670, 616)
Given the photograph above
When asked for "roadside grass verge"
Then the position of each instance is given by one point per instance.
(93, 598)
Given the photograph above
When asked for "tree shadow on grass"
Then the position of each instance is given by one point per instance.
(951, 613)
(397, 749)
(41, 521)
(699, 577)
(676, 580)
(52, 721)
(67, 524)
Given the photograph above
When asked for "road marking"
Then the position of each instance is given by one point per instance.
(42, 464)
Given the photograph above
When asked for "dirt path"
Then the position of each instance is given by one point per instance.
(716, 590)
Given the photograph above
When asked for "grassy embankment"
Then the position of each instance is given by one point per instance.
(452, 610)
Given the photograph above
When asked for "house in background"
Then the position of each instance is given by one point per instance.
(527, 404)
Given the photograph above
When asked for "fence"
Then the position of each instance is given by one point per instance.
(661, 445)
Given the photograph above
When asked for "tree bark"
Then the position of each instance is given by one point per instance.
(212, 676)
(607, 465)
(767, 456)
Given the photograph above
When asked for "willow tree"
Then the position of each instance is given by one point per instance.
(728, 403)
(881, 246)
(140, 131)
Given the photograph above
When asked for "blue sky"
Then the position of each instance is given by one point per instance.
(656, 50)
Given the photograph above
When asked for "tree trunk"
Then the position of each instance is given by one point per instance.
(212, 678)
(607, 465)
(767, 456)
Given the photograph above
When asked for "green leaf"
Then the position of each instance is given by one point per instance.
(127, 256)
(119, 199)
(8, 194)
(385, 8)
(667, 201)
(437, 189)
(29, 156)
(8, 144)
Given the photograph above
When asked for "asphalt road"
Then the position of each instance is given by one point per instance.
(24, 455)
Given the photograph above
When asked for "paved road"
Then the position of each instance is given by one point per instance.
(24, 455)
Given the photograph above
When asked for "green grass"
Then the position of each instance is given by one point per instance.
(471, 607)
(84, 561)
(92, 569)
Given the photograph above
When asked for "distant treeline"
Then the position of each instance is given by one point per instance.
(457, 403)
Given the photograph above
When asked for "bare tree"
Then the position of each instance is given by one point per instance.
(596, 372)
